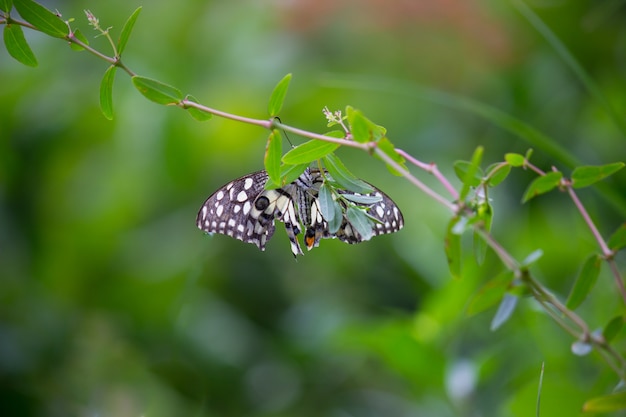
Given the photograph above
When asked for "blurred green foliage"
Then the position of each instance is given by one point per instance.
(112, 302)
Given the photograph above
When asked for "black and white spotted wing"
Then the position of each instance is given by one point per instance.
(243, 209)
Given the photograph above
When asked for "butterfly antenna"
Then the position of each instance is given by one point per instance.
(285, 133)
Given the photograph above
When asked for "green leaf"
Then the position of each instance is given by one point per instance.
(612, 328)
(363, 130)
(17, 46)
(473, 170)
(273, 152)
(77, 34)
(327, 202)
(360, 222)
(337, 220)
(343, 177)
(197, 114)
(42, 18)
(584, 282)
(581, 348)
(367, 200)
(484, 214)
(505, 310)
(490, 293)
(542, 185)
(106, 92)
(126, 31)
(338, 134)
(309, 151)
(6, 5)
(606, 404)
(288, 174)
(461, 168)
(515, 159)
(532, 258)
(278, 96)
(618, 239)
(497, 173)
(156, 91)
(452, 246)
(389, 149)
(587, 175)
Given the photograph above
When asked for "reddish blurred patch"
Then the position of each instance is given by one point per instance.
(469, 20)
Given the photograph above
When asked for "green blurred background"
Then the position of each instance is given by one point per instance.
(113, 303)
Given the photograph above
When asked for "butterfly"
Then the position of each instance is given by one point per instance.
(245, 210)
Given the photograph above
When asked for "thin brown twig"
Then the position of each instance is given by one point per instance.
(413, 180)
(606, 252)
(432, 169)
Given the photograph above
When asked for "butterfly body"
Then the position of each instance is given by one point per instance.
(245, 210)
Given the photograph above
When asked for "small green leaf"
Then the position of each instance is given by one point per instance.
(587, 175)
(273, 152)
(17, 46)
(278, 96)
(484, 214)
(532, 258)
(126, 31)
(542, 185)
(473, 170)
(618, 239)
(358, 125)
(360, 222)
(461, 224)
(452, 246)
(584, 282)
(6, 5)
(309, 151)
(505, 310)
(581, 348)
(515, 159)
(497, 173)
(367, 200)
(77, 34)
(490, 293)
(461, 168)
(388, 148)
(612, 328)
(363, 130)
(529, 153)
(338, 134)
(343, 177)
(156, 91)
(106, 92)
(288, 174)
(606, 404)
(337, 220)
(197, 114)
(326, 202)
(42, 18)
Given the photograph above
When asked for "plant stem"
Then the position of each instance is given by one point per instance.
(504, 256)
(432, 169)
(413, 180)
(596, 234)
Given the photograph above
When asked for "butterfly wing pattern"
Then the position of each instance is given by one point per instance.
(245, 210)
